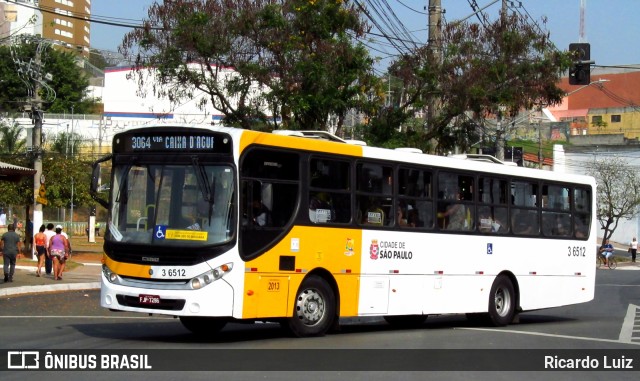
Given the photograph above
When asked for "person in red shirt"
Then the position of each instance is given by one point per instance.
(40, 240)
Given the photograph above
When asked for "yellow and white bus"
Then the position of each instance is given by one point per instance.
(214, 224)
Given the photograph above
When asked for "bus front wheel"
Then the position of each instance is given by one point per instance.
(314, 309)
(502, 301)
(205, 326)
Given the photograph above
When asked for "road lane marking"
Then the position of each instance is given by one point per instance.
(548, 335)
(629, 326)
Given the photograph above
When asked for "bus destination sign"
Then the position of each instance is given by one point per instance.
(172, 141)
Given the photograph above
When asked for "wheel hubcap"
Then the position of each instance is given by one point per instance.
(310, 307)
(502, 302)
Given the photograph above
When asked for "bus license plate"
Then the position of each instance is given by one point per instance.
(148, 299)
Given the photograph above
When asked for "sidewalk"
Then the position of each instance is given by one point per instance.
(84, 277)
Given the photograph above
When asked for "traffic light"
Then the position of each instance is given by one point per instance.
(580, 72)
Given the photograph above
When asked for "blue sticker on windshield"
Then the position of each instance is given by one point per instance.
(160, 231)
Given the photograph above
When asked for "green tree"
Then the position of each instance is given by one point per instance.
(291, 58)
(67, 143)
(510, 63)
(67, 80)
(13, 151)
(67, 176)
(11, 140)
(618, 195)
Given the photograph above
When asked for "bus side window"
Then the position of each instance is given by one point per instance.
(372, 214)
(373, 199)
(329, 191)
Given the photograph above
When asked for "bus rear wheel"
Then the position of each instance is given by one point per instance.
(502, 301)
(204, 326)
(314, 310)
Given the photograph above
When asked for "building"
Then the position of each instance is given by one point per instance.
(608, 105)
(63, 22)
(21, 18)
(604, 122)
(127, 105)
(67, 22)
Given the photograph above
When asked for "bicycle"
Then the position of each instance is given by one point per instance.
(612, 263)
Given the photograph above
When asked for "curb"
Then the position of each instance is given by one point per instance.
(22, 290)
(34, 289)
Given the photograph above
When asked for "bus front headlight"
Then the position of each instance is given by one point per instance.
(110, 275)
(211, 276)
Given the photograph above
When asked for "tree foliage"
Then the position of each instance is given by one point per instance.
(293, 59)
(67, 143)
(618, 195)
(510, 63)
(67, 80)
(64, 175)
(11, 141)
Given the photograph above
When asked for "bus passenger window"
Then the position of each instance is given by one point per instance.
(261, 214)
(374, 215)
(525, 222)
(372, 211)
(329, 191)
(321, 207)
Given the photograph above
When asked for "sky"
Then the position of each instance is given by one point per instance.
(611, 26)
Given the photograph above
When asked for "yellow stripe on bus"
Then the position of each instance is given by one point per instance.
(127, 269)
(316, 145)
(271, 291)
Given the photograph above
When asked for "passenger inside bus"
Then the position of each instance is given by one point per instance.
(374, 215)
(525, 222)
(401, 218)
(261, 214)
(413, 217)
(456, 215)
(320, 208)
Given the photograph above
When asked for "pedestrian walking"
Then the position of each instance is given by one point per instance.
(41, 248)
(633, 249)
(11, 246)
(48, 261)
(59, 251)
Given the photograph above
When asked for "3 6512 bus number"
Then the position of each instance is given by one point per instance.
(173, 273)
(577, 251)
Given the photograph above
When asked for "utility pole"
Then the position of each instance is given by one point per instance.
(39, 195)
(435, 52)
(500, 131)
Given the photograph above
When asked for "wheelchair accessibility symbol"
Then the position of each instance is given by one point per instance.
(489, 248)
(160, 231)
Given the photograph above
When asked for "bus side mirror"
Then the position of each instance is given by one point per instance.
(95, 182)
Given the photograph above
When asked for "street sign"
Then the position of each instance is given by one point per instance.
(42, 195)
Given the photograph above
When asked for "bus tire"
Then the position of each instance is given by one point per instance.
(314, 310)
(406, 321)
(502, 301)
(204, 326)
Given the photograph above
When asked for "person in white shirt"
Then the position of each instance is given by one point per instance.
(48, 263)
(3, 218)
(633, 249)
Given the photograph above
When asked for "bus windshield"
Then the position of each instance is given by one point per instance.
(172, 204)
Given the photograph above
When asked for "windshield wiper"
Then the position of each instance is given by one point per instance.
(123, 184)
(207, 189)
